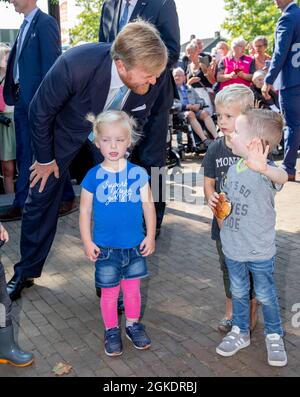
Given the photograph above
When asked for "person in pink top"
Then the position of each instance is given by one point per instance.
(236, 68)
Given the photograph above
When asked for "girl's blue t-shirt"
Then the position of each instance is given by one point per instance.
(117, 205)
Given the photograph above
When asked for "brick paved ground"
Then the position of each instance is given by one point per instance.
(59, 319)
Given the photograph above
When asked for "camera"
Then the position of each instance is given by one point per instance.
(5, 120)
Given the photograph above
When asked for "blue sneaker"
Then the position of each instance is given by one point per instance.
(113, 342)
(137, 334)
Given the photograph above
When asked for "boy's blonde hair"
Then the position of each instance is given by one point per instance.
(237, 94)
(266, 125)
(114, 116)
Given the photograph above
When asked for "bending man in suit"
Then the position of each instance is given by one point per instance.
(35, 50)
(151, 151)
(87, 78)
(286, 64)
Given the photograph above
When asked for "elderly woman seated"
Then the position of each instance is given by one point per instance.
(237, 67)
(189, 107)
(258, 81)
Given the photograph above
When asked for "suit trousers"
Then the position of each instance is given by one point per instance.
(151, 152)
(39, 224)
(290, 106)
(24, 152)
(24, 155)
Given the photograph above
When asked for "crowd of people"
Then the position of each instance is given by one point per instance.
(112, 99)
(199, 76)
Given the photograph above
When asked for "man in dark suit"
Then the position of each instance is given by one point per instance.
(285, 65)
(151, 151)
(87, 78)
(33, 53)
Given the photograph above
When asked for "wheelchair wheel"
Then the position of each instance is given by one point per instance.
(173, 158)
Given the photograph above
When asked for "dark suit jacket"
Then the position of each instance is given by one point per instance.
(41, 47)
(162, 14)
(286, 56)
(77, 84)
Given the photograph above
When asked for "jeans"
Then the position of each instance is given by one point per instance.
(116, 264)
(5, 302)
(264, 286)
(226, 279)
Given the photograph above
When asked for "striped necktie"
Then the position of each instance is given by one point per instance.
(18, 52)
(115, 104)
(124, 18)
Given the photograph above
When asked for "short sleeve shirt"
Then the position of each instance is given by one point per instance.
(117, 205)
(218, 159)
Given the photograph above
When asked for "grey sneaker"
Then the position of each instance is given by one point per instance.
(276, 352)
(233, 342)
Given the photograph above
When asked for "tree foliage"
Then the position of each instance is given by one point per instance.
(250, 18)
(89, 21)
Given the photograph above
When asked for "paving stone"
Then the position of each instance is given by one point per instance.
(59, 319)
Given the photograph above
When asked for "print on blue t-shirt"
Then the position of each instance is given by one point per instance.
(117, 206)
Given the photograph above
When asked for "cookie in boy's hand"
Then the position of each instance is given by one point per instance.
(223, 207)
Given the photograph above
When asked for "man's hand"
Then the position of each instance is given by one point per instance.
(257, 156)
(266, 88)
(42, 172)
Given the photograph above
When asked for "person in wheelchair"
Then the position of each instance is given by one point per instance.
(190, 107)
(261, 102)
(258, 80)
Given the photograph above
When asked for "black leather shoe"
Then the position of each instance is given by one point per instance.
(16, 285)
(12, 214)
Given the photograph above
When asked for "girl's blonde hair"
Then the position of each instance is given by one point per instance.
(114, 116)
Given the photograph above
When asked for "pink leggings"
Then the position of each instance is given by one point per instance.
(109, 302)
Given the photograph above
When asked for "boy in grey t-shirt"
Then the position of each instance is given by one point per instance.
(248, 234)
